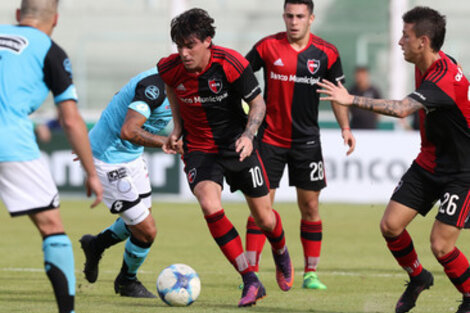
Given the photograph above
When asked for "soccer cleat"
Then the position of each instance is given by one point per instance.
(284, 270)
(416, 285)
(241, 285)
(253, 290)
(465, 306)
(92, 257)
(311, 281)
(131, 288)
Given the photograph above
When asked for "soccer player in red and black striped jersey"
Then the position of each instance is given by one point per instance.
(442, 169)
(205, 85)
(293, 62)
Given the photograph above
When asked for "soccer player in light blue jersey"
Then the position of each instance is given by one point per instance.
(31, 65)
(132, 120)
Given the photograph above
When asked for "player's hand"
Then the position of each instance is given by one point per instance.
(244, 147)
(179, 147)
(338, 94)
(349, 140)
(93, 185)
(171, 144)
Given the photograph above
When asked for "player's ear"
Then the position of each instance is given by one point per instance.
(312, 18)
(56, 20)
(18, 15)
(208, 42)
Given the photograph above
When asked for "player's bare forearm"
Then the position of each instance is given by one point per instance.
(255, 116)
(77, 134)
(341, 115)
(144, 138)
(175, 108)
(395, 108)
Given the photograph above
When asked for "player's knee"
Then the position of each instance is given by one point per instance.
(389, 230)
(266, 223)
(440, 247)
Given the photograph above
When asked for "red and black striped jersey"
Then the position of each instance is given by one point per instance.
(445, 120)
(290, 86)
(210, 102)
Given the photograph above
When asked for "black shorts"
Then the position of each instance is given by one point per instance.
(420, 190)
(305, 163)
(248, 176)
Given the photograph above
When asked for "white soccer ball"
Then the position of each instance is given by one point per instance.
(178, 285)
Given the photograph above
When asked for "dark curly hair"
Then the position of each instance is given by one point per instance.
(427, 22)
(308, 3)
(195, 22)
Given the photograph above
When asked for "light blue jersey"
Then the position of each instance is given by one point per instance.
(145, 93)
(31, 64)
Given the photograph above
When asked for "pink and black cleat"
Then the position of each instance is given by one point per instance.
(284, 270)
(253, 290)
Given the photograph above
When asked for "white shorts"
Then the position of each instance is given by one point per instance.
(27, 187)
(127, 190)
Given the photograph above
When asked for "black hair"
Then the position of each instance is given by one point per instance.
(194, 22)
(308, 3)
(427, 22)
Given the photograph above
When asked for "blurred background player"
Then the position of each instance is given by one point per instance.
(441, 170)
(205, 84)
(290, 133)
(130, 122)
(362, 119)
(31, 66)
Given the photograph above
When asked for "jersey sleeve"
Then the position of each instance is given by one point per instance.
(58, 74)
(334, 72)
(432, 96)
(167, 69)
(247, 85)
(149, 95)
(255, 59)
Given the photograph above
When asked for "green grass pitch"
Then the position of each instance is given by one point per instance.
(359, 271)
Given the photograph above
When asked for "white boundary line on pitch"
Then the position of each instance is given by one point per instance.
(323, 273)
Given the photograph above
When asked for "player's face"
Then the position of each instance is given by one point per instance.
(411, 45)
(195, 53)
(298, 20)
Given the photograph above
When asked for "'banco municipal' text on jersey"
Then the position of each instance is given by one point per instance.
(31, 64)
(210, 102)
(290, 86)
(144, 93)
(445, 119)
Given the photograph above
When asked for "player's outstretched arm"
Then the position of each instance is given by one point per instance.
(77, 134)
(172, 145)
(132, 131)
(244, 144)
(342, 117)
(395, 108)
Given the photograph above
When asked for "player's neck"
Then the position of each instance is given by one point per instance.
(424, 63)
(299, 44)
(44, 27)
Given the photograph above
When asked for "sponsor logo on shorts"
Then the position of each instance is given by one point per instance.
(116, 174)
(215, 85)
(55, 201)
(192, 175)
(313, 66)
(400, 183)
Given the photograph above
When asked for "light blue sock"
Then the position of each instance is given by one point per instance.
(59, 266)
(119, 229)
(134, 255)
(112, 235)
